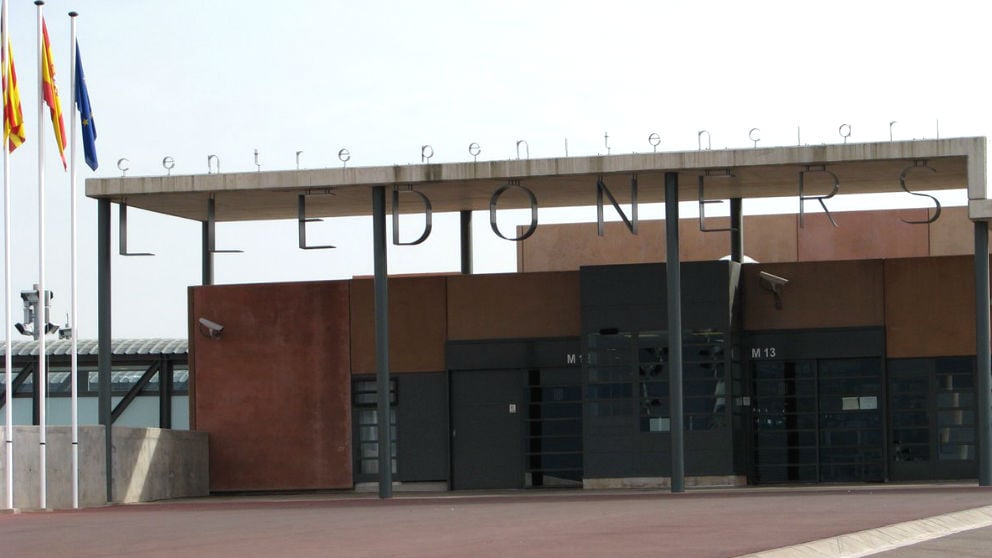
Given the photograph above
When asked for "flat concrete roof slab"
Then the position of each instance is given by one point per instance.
(559, 182)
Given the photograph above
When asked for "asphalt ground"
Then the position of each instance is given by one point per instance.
(565, 523)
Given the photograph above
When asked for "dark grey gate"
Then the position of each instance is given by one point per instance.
(487, 429)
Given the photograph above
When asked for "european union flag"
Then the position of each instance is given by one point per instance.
(85, 114)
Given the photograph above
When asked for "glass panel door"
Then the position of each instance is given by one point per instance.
(850, 420)
(817, 420)
(784, 411)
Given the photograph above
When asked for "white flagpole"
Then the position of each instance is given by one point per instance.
(73, 328)
(8, 358)
(40, 321)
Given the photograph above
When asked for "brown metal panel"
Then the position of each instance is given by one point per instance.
(953, 234)
(819, 295)
(863, 235)
(273, 391)
(930, 307)
(566, 247)
(507, 306)
(771, 238)
(417, 325)
(191, 356)
(696, 245)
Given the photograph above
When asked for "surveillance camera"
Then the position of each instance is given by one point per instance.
(773, 280)
(213, 328)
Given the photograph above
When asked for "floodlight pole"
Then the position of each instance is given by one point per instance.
(674, 269)
(382, 340)
(983, 358)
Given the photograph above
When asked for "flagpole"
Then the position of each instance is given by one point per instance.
(8, 358)
(73, 330)
(40, 321)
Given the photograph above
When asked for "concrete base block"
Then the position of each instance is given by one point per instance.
(148, 464)
(702, 481)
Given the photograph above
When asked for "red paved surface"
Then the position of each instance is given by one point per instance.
(543, 524)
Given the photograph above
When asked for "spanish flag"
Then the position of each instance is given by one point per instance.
(13, 120)
(51, 93)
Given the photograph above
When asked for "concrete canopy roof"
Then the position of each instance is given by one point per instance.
(561, 182)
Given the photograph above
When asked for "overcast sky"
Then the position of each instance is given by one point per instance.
(188, 79)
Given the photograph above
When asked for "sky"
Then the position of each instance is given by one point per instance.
(188, 79)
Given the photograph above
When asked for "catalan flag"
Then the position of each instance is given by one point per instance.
(13, 118)
(85, 114)
(51, 93)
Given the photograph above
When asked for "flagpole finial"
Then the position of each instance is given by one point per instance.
(39, 3)
(73, 14)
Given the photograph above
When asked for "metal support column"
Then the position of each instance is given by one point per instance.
(983, 357)
(737, 230)
(674, 268)
(103, 335)
(466, 230)
(208, 245)
(208, 257)
(382, 340)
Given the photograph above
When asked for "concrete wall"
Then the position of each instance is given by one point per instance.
(273, 390)
(148, 464)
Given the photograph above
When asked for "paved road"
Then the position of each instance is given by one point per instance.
(976, 543)
(704, 524)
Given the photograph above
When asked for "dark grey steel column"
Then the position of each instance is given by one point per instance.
(674, 268)
(737, 230)
(103, 336)
(983, 357)
(208, 257)
(208, 244)
(466, 230)
(382, 340)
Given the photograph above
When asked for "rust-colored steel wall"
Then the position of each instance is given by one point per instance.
(771, 238)
(417, 324)
(568, 246)
(864, 235)
(930, 307)
(273, 391)
(819, 295)
(507, 306)
(861, 235)
(953, 234)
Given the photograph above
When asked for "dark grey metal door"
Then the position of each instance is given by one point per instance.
(817, 420)
(487, 429)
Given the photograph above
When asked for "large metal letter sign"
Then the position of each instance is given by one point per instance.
(533, 211)
(396, 217)
(803, 198)
(902, 182)
(601, 189)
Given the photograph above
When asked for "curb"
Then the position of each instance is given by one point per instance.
(873, 541)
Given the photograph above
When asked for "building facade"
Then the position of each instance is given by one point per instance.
(856, 370)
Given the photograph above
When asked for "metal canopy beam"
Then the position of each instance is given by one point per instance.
(132, 393)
